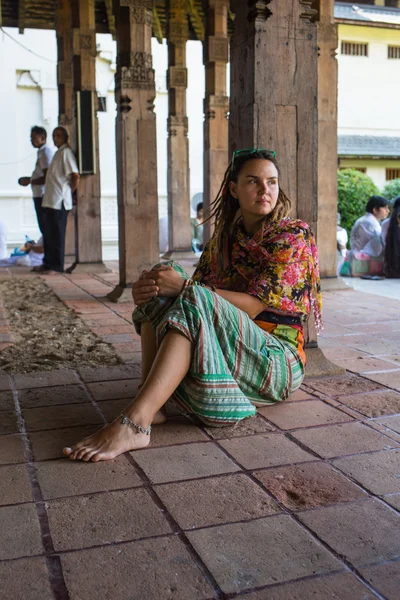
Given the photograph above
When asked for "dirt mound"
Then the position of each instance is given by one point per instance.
(47, 334)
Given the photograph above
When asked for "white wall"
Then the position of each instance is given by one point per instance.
(369, 86)
(28, 92)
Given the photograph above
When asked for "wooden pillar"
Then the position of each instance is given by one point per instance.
(274, 88)
(66, 100)
(135, 144)
(179, 230)
(216, 103)
(274, 95)
(327, 138)
(87, 222)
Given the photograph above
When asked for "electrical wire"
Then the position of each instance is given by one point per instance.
(16, 162)
(54, 62)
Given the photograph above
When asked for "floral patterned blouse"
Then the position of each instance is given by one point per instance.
(278, 265)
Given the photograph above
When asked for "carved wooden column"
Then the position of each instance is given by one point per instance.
(65, 99)
(274, 88)
(87, 222)
(274, 104)
(135, 145)
(327, 138)
(216, 102)
(179, 230)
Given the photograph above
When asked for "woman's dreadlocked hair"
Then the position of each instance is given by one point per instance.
(225, 208)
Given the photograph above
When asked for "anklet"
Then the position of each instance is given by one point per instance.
(126, 421)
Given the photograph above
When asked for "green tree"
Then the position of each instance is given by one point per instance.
(354, 189)
(392, 189)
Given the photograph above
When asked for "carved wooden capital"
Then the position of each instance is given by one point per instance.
(86, 42)
(307, 12)
(139, 75)
(147, 4)
(212, 101)
(124, 104)
(178, 27)
(259, 11)
(177, 124)
(217, 49)
(177, 77)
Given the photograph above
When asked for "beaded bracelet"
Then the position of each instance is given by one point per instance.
(189, 282)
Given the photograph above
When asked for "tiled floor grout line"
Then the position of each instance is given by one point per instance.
(293, 515)
(281, 584)
(218, 594)
(53, 562)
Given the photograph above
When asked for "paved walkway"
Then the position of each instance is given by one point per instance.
(300, 502)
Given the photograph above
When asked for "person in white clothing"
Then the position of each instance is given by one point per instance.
(37, 179)
(62, 180)
(366, 233)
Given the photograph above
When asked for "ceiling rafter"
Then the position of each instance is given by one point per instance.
(110, 17)
(157, 27)
(196, 20)
(21, 15)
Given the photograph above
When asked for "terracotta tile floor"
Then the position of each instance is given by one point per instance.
(300, 502)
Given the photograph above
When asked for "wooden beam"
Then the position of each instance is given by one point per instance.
(21, 15)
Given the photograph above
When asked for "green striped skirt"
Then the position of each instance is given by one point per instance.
(235, 364)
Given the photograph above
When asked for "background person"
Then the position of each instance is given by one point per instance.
(392, 243)
(232, 337)
(38, 178)
(341, 245)
(197, 229)
(61, 181)
(366, 233)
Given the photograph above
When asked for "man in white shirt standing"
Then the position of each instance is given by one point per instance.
(62, 180)
(366, 232)
(38, 177)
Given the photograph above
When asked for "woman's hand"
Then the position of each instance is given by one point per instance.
(160, 281)
(144, 289)
(168, 281)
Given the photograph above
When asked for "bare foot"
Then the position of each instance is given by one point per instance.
(111, 441)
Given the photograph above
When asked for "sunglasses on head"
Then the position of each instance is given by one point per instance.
(249, 152)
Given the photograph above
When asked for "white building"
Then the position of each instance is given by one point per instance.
(369, 89)
(28, 96)
(368, 115)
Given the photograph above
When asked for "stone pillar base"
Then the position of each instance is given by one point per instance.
(319, 366)
(334, 284)
(179, 255)
(88, 267)
(121, 293)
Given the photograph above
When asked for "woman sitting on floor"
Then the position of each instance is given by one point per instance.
(231, 338)
(392, 243)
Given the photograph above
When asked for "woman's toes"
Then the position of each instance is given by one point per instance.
(67, 451)
(82, 453)
(86, 457)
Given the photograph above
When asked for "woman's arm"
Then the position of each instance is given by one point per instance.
(165, 281)
(249, 304)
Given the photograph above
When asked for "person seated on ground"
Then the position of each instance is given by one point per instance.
(29, 254)
(231, 337)
(385, 226)
(392, 243)
(341, 244)
(365, 235)
(197, 229)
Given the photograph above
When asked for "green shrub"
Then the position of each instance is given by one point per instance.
(392, 189)
(354, 189)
